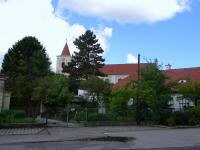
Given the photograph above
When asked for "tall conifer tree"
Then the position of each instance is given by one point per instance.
(88, 60)
(24, 64)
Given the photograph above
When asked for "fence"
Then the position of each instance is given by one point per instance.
(20, 117)
(82, 115)
(96, 115)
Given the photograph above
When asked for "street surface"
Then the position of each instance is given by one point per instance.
(73, 138)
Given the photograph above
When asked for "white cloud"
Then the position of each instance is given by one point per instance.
(131, 58)
(21, 18)
(126, 11)
(103, 35)
(1, 57)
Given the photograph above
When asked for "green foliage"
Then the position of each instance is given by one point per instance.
(25, 63)
(186, 117)
(155, 92)
(101, 117)
(119, 100)
(180, 118)
(19, 113)
(53, 90)
(171, 121)
(88, 60)
(80, 116)
(74, 85)
(14, 116)
(195, 116)
(97, 88)
(155, 95)
(191, 91)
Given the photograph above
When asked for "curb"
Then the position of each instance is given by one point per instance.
(176, 127)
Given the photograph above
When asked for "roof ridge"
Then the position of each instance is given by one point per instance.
(183, 68)
(127, 64)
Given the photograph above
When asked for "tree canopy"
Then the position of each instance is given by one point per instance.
(155, 92)
(53, 90)
(88, 60)
(119, 100)
(98, 89)
(25, 63)
(191, 91)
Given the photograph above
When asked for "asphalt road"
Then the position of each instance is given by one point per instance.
(69, 139)
(77, 145)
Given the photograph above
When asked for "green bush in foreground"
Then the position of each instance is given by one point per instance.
(186, 117)
(14, 116)
(195, 116)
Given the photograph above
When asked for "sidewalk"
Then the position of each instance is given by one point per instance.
(58, 123)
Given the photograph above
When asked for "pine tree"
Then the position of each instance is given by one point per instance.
(88, 60)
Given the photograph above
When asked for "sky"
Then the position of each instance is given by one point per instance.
(167, 30)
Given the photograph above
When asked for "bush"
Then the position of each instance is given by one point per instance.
(195, 116)
(186, 117)
(12, 116)
(171, 121)
(5, 116)
(101, 117)
(80, 116)
(181, 117)
(18, 114)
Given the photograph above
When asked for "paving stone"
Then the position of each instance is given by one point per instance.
(23, 131)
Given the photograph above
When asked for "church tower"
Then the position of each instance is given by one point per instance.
(64, 58)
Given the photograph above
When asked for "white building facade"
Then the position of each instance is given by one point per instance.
(63, 59)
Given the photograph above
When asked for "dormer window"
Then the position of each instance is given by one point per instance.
(182, 81)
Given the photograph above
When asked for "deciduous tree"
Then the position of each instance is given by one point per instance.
(191, 91)
(155, 92)
(53, 90)
(97, 89)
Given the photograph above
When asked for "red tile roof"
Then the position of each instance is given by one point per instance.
(65, 51)
(123, 82)
(173, 74)
(120, 69)
(184, 74)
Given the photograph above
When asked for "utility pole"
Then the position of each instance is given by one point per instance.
(138, 102)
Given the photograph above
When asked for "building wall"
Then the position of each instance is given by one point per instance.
(114, 78)
(178, 102)
(6, 97)
(60, 61)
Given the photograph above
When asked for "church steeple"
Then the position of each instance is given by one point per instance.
(65, 51)
(63, 59)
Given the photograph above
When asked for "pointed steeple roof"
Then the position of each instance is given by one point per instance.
(65, 51)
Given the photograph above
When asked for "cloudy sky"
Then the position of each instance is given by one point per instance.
(168, 30)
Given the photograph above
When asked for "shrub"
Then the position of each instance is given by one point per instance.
(101, 117)
(80, 116)
(171, 121)
(5, 116)
(195, 116)
(18, 114)
(181, 117)
(12, 116)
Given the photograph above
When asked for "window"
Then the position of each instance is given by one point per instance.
(183, 103)
(182, 81)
